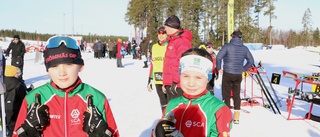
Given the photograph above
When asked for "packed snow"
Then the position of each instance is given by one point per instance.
(137, 111)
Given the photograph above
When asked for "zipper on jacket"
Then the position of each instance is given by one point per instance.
(184, 111)
(65, 114)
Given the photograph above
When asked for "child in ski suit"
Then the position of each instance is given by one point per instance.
(197, 112)
(65, 107)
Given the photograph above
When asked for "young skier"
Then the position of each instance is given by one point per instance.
(65, 107)
(197, 112)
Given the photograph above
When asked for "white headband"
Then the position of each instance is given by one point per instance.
(196, 63)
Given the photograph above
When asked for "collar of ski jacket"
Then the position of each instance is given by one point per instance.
(236, 41)
(181, 33)
(163, 43)
(71, 88)
(195, 96)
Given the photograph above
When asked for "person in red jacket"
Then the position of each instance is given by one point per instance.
(65, 106)
(119, 55)
(179, 41)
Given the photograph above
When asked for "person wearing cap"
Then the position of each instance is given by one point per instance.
(118, 53)
(65, 106)
(156, 67)
(233, 55)
(18, 49)
(215, 74)
(197, 112)
(16, 90)
(179, 41)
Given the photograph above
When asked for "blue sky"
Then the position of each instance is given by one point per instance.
(106, 17)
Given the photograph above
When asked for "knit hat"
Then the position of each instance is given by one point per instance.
(11, 71)
(16, 36)
(237, 33)
(62, 50)
(196, 63)
(161, 29)
(173, 22)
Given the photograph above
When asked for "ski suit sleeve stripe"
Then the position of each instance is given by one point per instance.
(112, 126)
(21, 117)
(224, 119)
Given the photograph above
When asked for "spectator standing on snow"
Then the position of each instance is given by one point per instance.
(129, 48)
(104, 49)
(95, 49)
(65, 107)
(155, 74)
(18, 50)
(233, 55)
(179, 41)
(111, 49)
(99, 48)
(16, 90)
(215, 72)
(144, 51)
(118, 54)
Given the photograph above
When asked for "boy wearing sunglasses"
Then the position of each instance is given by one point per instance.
(65, 107)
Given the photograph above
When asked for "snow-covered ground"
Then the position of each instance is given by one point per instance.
(137, 111)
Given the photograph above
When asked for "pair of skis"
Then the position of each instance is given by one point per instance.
(265, 90)
(273, 90)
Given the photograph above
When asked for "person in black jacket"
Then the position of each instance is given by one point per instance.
(18, 50)
(16, 90)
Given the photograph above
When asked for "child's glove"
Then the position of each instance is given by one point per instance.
(150, 84)
(173, 88)
(166, 128)
(37, 119)
(93, 124)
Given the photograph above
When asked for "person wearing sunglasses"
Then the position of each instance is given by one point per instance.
(215, 74)
(179, 42)
(156, 67)
(65, 106)
(18, 49)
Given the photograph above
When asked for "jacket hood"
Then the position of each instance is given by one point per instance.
(182, 33)
(187, 34)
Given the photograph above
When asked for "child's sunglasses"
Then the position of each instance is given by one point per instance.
(162, 32)
(54, 42)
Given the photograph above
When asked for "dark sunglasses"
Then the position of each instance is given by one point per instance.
(162, 32)
(54, 42)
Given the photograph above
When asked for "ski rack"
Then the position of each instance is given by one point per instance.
(291, 100)
(250, 100)
(272, 103)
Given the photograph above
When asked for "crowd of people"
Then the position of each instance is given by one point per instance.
(183, 77)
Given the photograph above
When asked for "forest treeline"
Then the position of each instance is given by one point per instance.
(43, 37)
(207, 19)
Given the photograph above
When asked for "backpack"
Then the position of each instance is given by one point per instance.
(123, 50)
